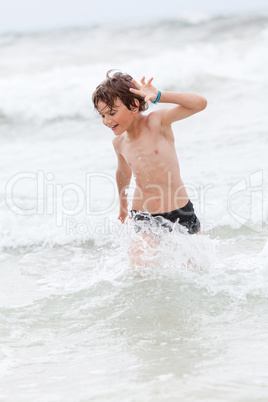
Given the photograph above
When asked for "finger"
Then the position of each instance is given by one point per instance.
(135, 91)
(147, 98)
(136, 84)
(150, 80)
(143, 81)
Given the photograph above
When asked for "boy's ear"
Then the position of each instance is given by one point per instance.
(136, 109)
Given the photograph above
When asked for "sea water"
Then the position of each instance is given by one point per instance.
(79, 321)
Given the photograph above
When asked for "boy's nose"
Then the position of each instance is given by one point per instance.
(107, 121)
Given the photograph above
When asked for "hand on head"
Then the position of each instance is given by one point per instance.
(146, 91)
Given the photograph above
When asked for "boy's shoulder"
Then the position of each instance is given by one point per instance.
(154, 119)
(154, 116)
(117, 141)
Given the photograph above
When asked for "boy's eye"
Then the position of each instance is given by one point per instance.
(111, 114)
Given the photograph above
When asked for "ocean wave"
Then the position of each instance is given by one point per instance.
(57, 80)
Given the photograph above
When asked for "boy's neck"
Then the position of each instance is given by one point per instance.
(134, 129)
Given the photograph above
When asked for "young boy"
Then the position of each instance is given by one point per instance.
(144, 145)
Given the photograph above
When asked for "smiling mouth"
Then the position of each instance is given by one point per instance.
(114, 127)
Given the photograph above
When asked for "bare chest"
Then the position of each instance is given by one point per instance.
(148, 154)
(142, 152)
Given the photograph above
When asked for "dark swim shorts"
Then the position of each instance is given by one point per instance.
(184, 216)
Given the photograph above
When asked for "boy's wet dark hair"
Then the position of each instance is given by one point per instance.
(117, 86)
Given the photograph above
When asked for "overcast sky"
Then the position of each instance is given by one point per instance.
(17, 15)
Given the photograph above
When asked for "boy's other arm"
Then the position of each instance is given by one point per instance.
(123, 178)
(188, 104)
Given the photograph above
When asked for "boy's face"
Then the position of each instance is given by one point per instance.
(119, 118)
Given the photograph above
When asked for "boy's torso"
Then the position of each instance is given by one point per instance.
(153, 160)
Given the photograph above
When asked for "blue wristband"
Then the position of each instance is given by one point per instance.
(157, 98)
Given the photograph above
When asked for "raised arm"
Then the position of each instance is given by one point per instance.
(123, 178)
(187, 103)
